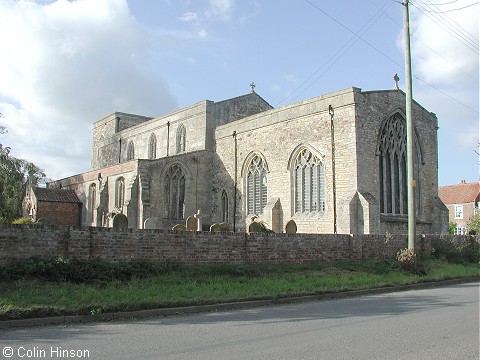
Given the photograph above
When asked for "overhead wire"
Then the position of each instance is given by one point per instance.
(358, 37)
(337, 56)
(446, 11)
(448, 24)
(424, 44)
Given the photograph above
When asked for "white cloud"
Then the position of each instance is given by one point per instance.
(443, 46)
(65, 65)
(221, 9)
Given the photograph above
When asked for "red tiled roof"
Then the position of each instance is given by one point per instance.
(56, 195)
(460, 193)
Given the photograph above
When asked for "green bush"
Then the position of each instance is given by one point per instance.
(458, 249)
(58, 269)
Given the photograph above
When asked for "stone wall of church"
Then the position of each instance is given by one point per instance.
(276, 135)
(111, 141)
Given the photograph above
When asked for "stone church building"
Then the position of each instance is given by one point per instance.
(331, 164)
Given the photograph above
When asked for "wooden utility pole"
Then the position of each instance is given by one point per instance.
(408, 113)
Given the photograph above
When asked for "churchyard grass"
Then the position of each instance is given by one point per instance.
(173, 286)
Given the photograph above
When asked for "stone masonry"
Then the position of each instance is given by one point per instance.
(200, 158)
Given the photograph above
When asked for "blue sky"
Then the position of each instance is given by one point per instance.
(66, 64)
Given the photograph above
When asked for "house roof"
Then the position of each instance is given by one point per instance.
(56, 195)
(460, 193)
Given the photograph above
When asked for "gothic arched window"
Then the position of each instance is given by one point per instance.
(175, 193)
(92, 201)
(181, 139)
(130, 151)
(393, 167)
(256, 185)
(152, 147)
(119, 193)
(224, 200)
(309, 180)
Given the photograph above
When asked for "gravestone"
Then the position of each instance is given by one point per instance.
(291, 227)
(222, 227)
(256, 227)
(199, 216)
(179, 227)
(191, 223)
(120, 221)
(150, 223)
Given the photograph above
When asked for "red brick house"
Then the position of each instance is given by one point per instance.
(462, 201)
(54, 206)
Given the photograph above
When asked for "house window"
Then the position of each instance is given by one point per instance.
(181, 134)
(309, 174)
(256, 185)
(460, 230)
(458, 211)
(130, 151)
(175, 193)
(393, 167)
(119, 193)
(92, 199)
(224, 206)
(152, 147)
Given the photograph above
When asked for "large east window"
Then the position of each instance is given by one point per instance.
(392, 154)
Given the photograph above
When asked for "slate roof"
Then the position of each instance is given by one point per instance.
(56, 195)
(460, 193)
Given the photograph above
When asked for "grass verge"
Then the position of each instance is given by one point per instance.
(209, 284)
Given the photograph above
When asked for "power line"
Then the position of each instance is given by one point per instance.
(357, 37)
(450, 25)
(445, 11)
(424, 44)
(338, 55)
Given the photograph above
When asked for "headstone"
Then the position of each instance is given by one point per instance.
(179, 227)
(150, 223)
(291, 227)
(120, 221)
(222, 227)
(256, 227)
(191, 223)
(199, 216)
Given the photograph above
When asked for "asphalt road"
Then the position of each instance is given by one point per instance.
(440, 323)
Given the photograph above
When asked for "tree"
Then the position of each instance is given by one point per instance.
(473, 225)
(15, 175)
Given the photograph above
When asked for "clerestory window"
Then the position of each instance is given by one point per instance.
(152, 147)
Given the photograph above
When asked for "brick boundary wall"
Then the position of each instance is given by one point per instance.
(23, 241)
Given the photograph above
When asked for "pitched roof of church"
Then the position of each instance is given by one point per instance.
(460, 193)
(56, 195)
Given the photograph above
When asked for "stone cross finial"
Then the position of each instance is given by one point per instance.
(199, 216)
(396, 79)
(252, 85)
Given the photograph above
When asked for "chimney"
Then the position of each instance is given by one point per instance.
(463, 182)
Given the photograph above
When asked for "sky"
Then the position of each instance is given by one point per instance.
(66, 64)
